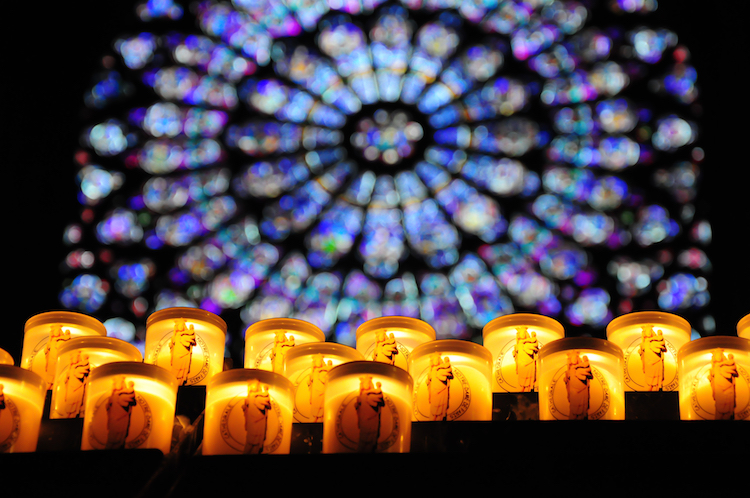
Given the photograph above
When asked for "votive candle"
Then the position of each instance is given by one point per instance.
(268, 341)
(22, 394)
(390, 339)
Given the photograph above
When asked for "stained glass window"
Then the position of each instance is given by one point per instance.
(336, 161)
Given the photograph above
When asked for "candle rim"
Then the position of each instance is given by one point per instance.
(25, 377)
(447, 345)
(189, 314)
(247, 374)
(63, 318)
(151, 371)
(288, 324)
(112, 343)
(649, 317)
(396, 322)
(322, 348)
(398, 374)
(713, 342)
(573, 343)
(744, 324)
(522, 319)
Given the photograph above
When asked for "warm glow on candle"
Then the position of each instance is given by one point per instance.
(581, 378)
(650, 341)
(76, 360)
(6, 358)
(248, 411)
(267, 341)
(368, 408)
(189, 342)
(129, 405)
(21, 404)
(515, 341)
(307, 367)
(46, 332)
(452, 381)
(390, 339)
(743, 327)
(715, 379)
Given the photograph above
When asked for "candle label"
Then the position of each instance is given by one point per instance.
(650, 363)
(386, 349)
(310, 386)
(68, 399)
(184, 353)
(578, 391)
(367, 420)
(442, 392)
(43, 359)
(122, 418)
(10, 422)
(251, 423)
(515, 368)
(273, 353)
(720, 390)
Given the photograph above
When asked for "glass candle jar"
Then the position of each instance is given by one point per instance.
(307, 367)
(248, 411)
(268, 341)
(452, 381)
(77, 358)
(43, 334)
(22, 394)
(6, 358)
(743, 327)
(715, 378)
(368, 409)
(129, 405)
(514, 341)
(649, 341)
(580, 378)
(390, 339)
(189, 342)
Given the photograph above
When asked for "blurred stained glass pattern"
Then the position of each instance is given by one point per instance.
(339, 161)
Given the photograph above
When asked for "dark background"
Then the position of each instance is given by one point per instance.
(51, 49)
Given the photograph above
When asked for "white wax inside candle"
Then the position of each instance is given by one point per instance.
(598, 397)
(196, 355)
(235, 425)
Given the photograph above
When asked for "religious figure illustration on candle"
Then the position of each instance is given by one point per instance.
(722, 377)
(652, 351)
(438, 386)
(56, 336)
(317, 386)
(281, 344)
(385, 348)
(255, 408)
(119, 409)
(524, 354)
(181, 350)
(74, 386)
(577, 379)
(368, 405)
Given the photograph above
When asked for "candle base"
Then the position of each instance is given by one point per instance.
(515, 406)
(664, 405)
(60, 434)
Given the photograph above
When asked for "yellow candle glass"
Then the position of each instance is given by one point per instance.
(650, 341)
(129, 405)
(581, 378)
(268, 341)
(6, 358)
(515, 341)
(390, 339)
(743, 327)
(452, 381)
(22, 394)
(43, 334)
(307, 367)
(368, 407)
(248, 411)
(715, 378)
(77, 358)
(189, 342)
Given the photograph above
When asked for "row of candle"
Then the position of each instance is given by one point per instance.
(291, 372)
